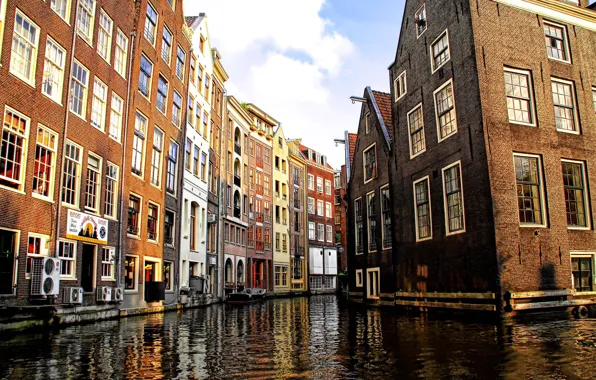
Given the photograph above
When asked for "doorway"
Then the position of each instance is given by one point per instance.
(7, 261)
(150, 271)
(88, 268)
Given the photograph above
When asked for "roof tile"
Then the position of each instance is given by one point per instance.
(383, 100)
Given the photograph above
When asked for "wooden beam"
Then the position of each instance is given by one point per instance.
(445, 295)
(447, 305)
(542, 293)
(355, 294)
(551, 304)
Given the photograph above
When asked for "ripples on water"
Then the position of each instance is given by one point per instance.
(319, 338)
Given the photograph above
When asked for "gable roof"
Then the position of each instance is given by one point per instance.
(190, 20)
(383, 100)
(374, 106)
(352, 138)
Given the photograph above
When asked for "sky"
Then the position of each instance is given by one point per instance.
(300, 61)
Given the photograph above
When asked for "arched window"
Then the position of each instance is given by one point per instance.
(240, 271)
(229, 275)
(237, 142)
(237, 210)
(194, 207)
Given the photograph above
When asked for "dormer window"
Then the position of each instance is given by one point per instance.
(420, 20)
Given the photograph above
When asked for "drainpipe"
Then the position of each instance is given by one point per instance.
(124, 155)
(65, 133)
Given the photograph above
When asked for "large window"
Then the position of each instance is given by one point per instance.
(85, 19)
(582, 269)
(311, 182)
(138, 147)
(453, 199)
(13, 156)
(116, 117)
(195, 160)
(311, 231)
(177, 109)
(150, 24)
(92, 193)
(557, 46)
(152, 221)
(121, 53)
(172, 167)
(564, 102)
(53, 71)
(168, 274)
(72, 172)
(145, 73)
(359, 225)
(188, 155)
(204, 167)
(328, 234)
(99, 104)
(520, 102)
(62, 8)
(328, 210)
(400, 86)
(108, 257)
(440, 51)
(311, 205)
(530, 197)
(386, 216)
(24, 48)
(130, 272)
(445, 110)
(45, 161)
(320, 185)
(193, 226)
(327, 187)
(416, 131)
(576, 201)
(112, 179)
(67, 252)
(372, 221)
(79, 84)
(422, 209)
(156, 157)
(321, 232)
(166, 45)
(162, 94)
(104, 36)
(370, 163)
(180, 59)
(319, 207)
(134, 214)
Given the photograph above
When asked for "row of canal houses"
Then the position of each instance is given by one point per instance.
(468, 186)
(131, 179)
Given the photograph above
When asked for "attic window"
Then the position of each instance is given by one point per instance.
(400, 86)
(420, 20)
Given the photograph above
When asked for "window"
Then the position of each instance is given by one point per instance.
(85, 19)
(162, 94)
(195, 159)
(582, 270)
(416, 131)
(150, 24)
(439, 51)
(319, 207)
(422, 208)
(311, 182)
(359, 279)
(98, 106)
(188, 156)
(372, 221)
(370, 163)
(166, 45)
(204, 167)
(336, 179)
(373, 283)
(177, 109)
(445, 110)
(189, 114)
(311, 205)
(156, 157)
(121, 54)
(277, 246)
(327, 187)
(13, 155)
(420, 19)
(386, 216)
(180, 59)
(117, 106)
(454, 201)
(37, 246)
(104, 36)
(564, 102)
(366, 123)
(134, 213)
(576, 200)
(53, 71)
(359, 225)
(329, 234)
(277, 275)
(145, 73)
(67, 252)
(24, 48)
(193, 227)
(79, 84)
(557, 46)
(320, 184)
(112, 179)
(108, 257)
(168, 277)
(72, 172)
(311, 231)
(62, 8)
(321, 232)
(594, 97)
(172, 167)
(520, 102)
(45, 160)
(130, 272)
(92, 193)
(530, 198)
(168, 225)
(328, 210)
(152, 221)
(138, 147)
(400, 86)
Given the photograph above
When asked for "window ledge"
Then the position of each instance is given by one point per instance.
(68, 278)
(570, 228)
(107, 279)
(135, 237)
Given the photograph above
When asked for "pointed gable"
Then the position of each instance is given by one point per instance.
(383, 101)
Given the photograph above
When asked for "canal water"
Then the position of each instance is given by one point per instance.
(320, 337)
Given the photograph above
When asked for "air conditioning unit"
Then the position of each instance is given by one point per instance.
(207, 284)
(73, 295)
(104, 294)
(211, 218)
(118, 294)
(45, 276)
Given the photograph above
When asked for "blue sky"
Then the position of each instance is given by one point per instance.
(300, 61)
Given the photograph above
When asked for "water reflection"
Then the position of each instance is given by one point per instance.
(319, 337)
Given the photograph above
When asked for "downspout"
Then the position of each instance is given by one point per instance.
(124, 145)
(221, 197)
(65, 133)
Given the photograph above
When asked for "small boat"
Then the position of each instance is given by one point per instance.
(248, 295)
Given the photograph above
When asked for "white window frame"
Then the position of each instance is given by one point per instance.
(72, 261)
(46, 134)
(421, 10)
(140, 135)
(155, 177)
(576, 124)
(432, 57)
(543, 209)
(383, 232)
(114, 193)
(531, 106)
(157, 220)
(116, 117)
(594, 97)
(329, 233)
(399, 83)
(430, 214)
(159, 104)
(149, 75)
(311, 202)
(327, 187)
(375, 172)
(448, 232)
(29, 77)
(454, 110)
(110, 262)
(62, 10)
(136, 274)
(366, 124)
(99, 105)
(359, 199)
(372, 292)
(311, 182)
(53, 71)
(565, 39)
(149, 23)
(98, 188)
(583, 254)
(167, 55)
(173, 173)
(83, 10)
(44, 243)
(121, 53)
(104, 36)
(359, 278)
(369, 238)
(587, 209)
(414, 109)
(177, 109)
(328, 212)
(24, 148)
(77, 176)
(320, 185)
(320, 205)
(312, 228)
(320, 232)
(84, 85)
(139, 217)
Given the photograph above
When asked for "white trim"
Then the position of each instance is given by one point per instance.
(587, 210)
(44, 248)
(113, 264)
(157, 230)
(99, 188)
(430, 214)
(446, 84)
(368, 238)
(543, 210)
(383, 220)
(360, 283)
(373, 292)
(53, 164)
(527, 73)
(33, 61)
(565, 41)
(423, 7)
(445, 206)
(576, 123)
(77, 191)
(371, 146)
(136, 274)
(366, 124)
(433, 69)
(412, 110)
(583, 254)
(73, 275)
(396, 86)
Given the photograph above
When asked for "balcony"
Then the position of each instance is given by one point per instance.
(237, 149)
(237, 181)
(262, 131)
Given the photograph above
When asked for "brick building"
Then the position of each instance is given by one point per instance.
(298, 221)
(61, 159)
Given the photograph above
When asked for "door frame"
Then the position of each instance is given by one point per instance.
(94, 267)
(16, 255)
